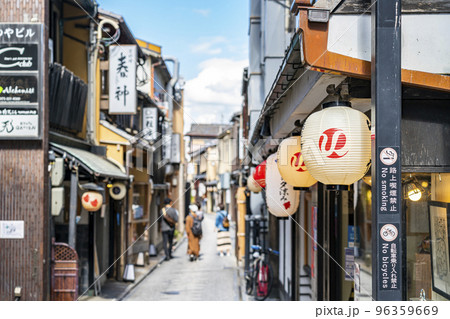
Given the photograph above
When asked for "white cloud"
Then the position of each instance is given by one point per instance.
(202, 12)
(215, 94)
(211, 46)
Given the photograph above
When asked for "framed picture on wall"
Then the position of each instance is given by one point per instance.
(440, 251)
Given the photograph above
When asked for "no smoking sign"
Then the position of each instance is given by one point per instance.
(388, 156)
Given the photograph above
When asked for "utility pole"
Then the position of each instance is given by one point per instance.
(387, 222)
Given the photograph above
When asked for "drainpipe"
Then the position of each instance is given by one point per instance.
(128, 157)
(172, 82)
(170, 92)
(95, 38)
(73, 204)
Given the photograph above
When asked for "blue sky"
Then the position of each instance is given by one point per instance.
(210, 40)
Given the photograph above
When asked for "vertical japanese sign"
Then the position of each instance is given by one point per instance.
(388, 267)
(175, 149)
(166, 141)
(122, 79)
(388, 180)
(389, 186)
(388, 252)
(21, 97)
(150, 122)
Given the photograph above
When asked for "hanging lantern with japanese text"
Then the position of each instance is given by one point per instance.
(282, 200)
(260, 174)
(291, 165)
(252, 185)
(336, 144)
(92, 201)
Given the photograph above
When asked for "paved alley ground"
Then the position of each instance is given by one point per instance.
(210, 278)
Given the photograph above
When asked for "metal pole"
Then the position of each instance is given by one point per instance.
(387, 232)
(247, 243)
(73, 206)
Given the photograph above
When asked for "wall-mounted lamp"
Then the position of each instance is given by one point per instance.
(413, 192)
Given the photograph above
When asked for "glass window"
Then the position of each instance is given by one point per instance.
(419, 191)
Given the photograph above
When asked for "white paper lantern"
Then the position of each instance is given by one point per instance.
(118, 191)
(282, 200)
(252, 185)
(92, 201)
(336, 145)
(291, 165)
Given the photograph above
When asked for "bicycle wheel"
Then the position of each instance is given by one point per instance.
(263, 281)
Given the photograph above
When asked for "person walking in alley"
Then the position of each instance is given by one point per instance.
(169, 220)
(223, 232)
(194, 232)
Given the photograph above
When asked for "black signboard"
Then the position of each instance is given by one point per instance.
(18, 57)
(19, 89)
(389, 180)
(388, 248)
(389, 189)
(21, 63)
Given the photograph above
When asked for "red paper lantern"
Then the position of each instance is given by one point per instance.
(260, 174)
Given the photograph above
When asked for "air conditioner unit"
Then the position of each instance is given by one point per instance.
(58, 172)
(57, 200)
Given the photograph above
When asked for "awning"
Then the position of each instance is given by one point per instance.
(211, 183)
(200, 177)
(93, 164)
(160, 186)
(130, 138)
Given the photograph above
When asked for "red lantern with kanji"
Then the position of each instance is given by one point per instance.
(260, 174)
(92, 201)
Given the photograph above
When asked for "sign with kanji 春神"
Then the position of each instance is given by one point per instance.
(122, 79)
(21, 87)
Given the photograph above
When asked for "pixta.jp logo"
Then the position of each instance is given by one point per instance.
(332, 143)
(298, 163)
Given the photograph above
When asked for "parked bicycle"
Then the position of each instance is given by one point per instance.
(259, 278)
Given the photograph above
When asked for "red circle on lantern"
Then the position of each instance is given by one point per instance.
(260, 174)
(331, 141)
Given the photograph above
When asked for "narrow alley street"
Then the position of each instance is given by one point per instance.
(210, 278)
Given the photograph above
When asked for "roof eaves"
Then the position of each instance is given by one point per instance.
(125, 30)
(291, 64)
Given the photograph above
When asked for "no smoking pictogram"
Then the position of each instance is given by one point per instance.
(388, 156)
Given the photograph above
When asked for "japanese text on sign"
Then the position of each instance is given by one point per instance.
(21, 51)
(388, 249)
(122, 79)
(19, 32)
(389, 179)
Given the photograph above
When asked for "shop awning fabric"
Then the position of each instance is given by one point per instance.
(93, 164)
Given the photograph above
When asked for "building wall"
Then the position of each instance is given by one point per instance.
(74, 53)
(24, 188)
